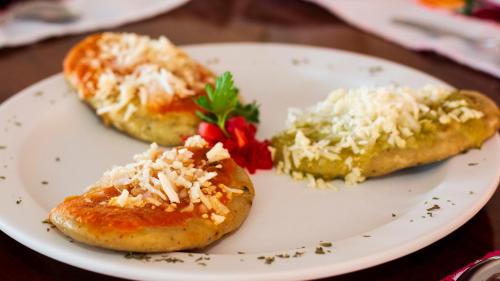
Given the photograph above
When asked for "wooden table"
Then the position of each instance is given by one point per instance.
(289, 21)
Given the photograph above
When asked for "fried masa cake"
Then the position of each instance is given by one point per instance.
(183, 198)
(369, 132)
(139, 85)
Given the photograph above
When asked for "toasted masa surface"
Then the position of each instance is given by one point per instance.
(167, 129)
(148, 229)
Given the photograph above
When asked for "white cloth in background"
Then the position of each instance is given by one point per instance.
(377, 16)
(94, 14)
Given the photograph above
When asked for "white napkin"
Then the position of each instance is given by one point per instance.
(377, 17)
(94, 14)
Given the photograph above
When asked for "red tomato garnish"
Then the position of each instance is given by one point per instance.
(262, 154)
(210, 132)
(241, 143)
(235, 122)
(241, 137)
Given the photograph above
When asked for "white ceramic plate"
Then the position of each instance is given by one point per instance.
(53, 146)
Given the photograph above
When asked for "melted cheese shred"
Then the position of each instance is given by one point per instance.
(165, 178)
(355, 120)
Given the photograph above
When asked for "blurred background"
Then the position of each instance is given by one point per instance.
(463, 31)
(457, 41)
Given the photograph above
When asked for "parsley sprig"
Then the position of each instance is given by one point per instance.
(222, 102)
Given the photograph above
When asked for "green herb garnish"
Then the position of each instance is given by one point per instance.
(375, 69)
(283, 256)
(249, 111)
(468, 7)
(137, 256)
(433, 208)
(222, 102)
(170, 260)
(297, 254)
(319, 251)
(325, 244)
(269, 260)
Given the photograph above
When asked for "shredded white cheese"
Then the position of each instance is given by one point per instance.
(355, 120)
(218, 206)
(140, 70)
(169, 178)
(124, 200)
(217, 219)
(196, 141)
(120, 200)
(127, 50)
(168, 188)
(232, 190)
(217, 153)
